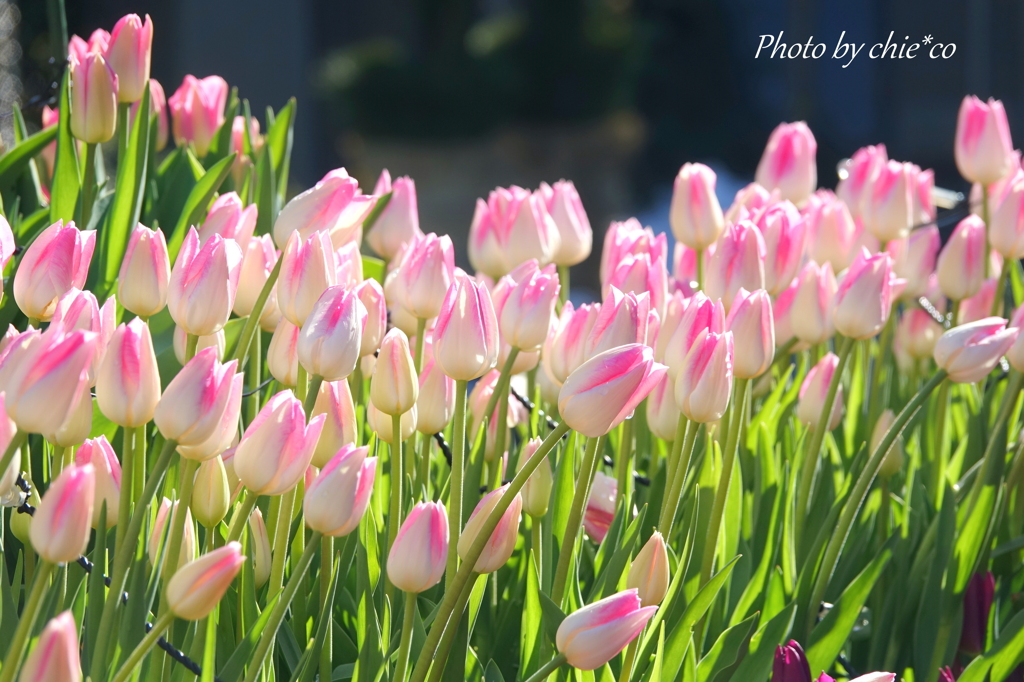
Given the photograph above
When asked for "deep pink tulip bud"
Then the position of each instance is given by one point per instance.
(593, 635)
(785, 240)
(913, 259)
(502, 542)
(93, 98)
(814, 390)
(60, 527)
(375, 325)
(704, 384)
(630, 238)
(417, 558)
(424, 275)
(334, 401)
(606, 389)
(48, 376)
(662, 412)
(334, 205)
(961, 264)
(107, 477)
(978, 597)
(969, 352)
(337, 499)
(194, 402)
(466, 332)
(197, 587)
(564, 351)
(751, 198)
(852, 189)
(738, 262)
(946, 675)
(399, 222)
(394, 386)
(576, 238)
(870, 677)
(623, 318)
(978, 306)
(790, 663)
(789, 162)
(701, 313)
(228, 218)
(600, 511)
(813, 306)
(924, 205)
(753, 330)
(524, 316)
(145, 273)
(983, 148)
(1006, 229)
(640, 273)
(435, 405)
(197, 110)
(129, 51)
(203, 284)
(510, 228)
(277, 447)
(649, 572)
(330, 339)
(55, 655)
(917, 333)
(307, 270)
(695, 214)
(864, 298)
(55, 262)
(98, 42)
(888, 208)
(283, 353)
(258, 260)
(832, 233)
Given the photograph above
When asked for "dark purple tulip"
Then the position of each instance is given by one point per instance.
(946, 675)
(824, 677)
(790, 664)
(977, 604)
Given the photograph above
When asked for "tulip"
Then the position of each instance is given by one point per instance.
(629, 238)
(813, 392)
(399, 222)
(524, 314)
(593, 635)
(536, 492)
(194, 402)
(864, 298)
(961, 264)
(892, 463)
(107, 477)
(180, 344)
(738, 262)
(600, 510)
(701, 313)
(832, 233)
(852, 189)
(946, 675)
(913, 259)
(203, 283)
(751, 199)
(417, 559)
(78, 309)
(98, 42)
(260, 547)
(283, 353)
(969, 352)
(196, 588)
(917, 333)
(57, 260)
(549, 388)
(813, 304)
(277, 447)
(983, 148)
(394, 386)
(466, 333)
(576, 238)
(753, 331)
(788, 163)
(197, 110)
(662, 413)
(435, 406)
(61, 524)
(674, 309)
(307, 270)
(704, 383)
(372, 297)
(605, 389)
(128, 381)
(888, 208)
(211, 496)
(978, 599)
(128, 52)
(329, 342)
(334, 205)
(623, 319)
(978, 306)
(334, 401)
(224, 435)
(924, 205)
(76, 425)
(160, 534)
(649, 572)
(336, 501)
(564, 349)
(870, 677)
(510, 228)
(424, 275)
(502, 541)
(1006, 227)
(230, 220)
(145, 273)
(55, 655)
(790, 663)
(383, 425)
(158, 108)
(695, 214)
(94, 89)
(349, 263)
(785, 238)
(258, 261)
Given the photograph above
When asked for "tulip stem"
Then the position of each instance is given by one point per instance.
(139, 466)
(88, 185)
(424, 462)
(315, 381)
(671, 462)
(674, 492)
(395, 482)
(985, 219)
(241, 516)
(454, 587)
(993, 458)
(548, 668)
(579, 500)
(421, 330)
(538, 548)
(624, 462)
(124, 504)
(16, 442)
(501, 386)
(997, 300)
(326, 571)
(252, 322)
(173, 552)
(455, 487)
(451, 629)
(191, 345)
(254, 372)
(563, 286)
(402, 666)
(286, 504)
(700, 269)
(627, 660)
(147, 643)
(27, 621)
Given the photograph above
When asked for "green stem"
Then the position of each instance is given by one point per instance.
(538, 548)
(451, 629)
(139, 466)
(671, 462)
(548, 668)
(407, 627)
(563, 285)
(989, 461)
(301, 381)
(191, 344)
(254, 372)
(627, 660)
(88, 185)
(674, 488)
(624, 462)
(26, 622)
(326, 569)
(241, 515)
(985, 219)
(455, 489)
(315, 381)
(421, 330)
(501, 429)
(424, 462)
(395, 482)
(501, 385)
(700, 269)
(173, 552)
(878, 401)
(997, 300)
(253, 321)
(147, 643)
(127, 476)
(16, 442)
(579, 501)
(281, 542)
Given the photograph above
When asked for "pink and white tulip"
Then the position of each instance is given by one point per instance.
(813, 306)
(55, 656)
(197, 111)
(983, 148)
(424, 274)
(107, 477)
(961, 264)
(417, 558)
(623, 319)
(399, 223)
(337, 499)
(788, 163)
(60, 527)
(704, 384)
(329, 342)
(57, 260)
(527, 305)
(914, 259)
(128, 381)
(129, 54)
(738, 262)
(194, 402)
(502, 541)
(465, 336)
(203, 284)
(510, 228)
(864, 163)
(93, 95)
(307, 269)
(334, 205)
(785, 238)
(593, 635)
(576, 238)
(145, 273)
(695, 214)
(600, 510)
(814, 391)
(228, 218)
(753, 331)
(864, 298)
(969, 352)
(197, 587)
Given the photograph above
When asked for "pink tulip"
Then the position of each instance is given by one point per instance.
(1006, 228)
(606, 389)
(788, 163)
(330, 339)
(372, 297)
(704, 383)
(961, 264)
(417, 559)
(307, 270)
(225, 433)
(197, 110)
(814, 303)
(203, 284)
(399, 222)
(194, 402)
(337, 499)
(334, 401)
(969, 352)
(865, 162)
(630, 238)
(641, 273)
(93, 96)
(394, 386)
(751, 198)
(917, 333)
(435, 406)
(107, 477)
(334, 205)
(983, 148)
(258, 260)
(832, 233)
(77, 424)
(1015, 354)
(230, 220)
(700, 314)
(753, 331)
(662, 412)
(870, 677)
(78, 309)
(98, 42)
(145, 272)
(623, 319)
(674, 309)
(924, 205)
(283, 353)
(864, 298)
(55, 655)
(888, 208)
(510, 228)
(525, 302)
(197, 587)
(600, 511)
(128, 381)
(424, 275)
(738, 262)
(55, 262)
(128, 52)
(180, 343)
(466, 332)
(814, 391)
(695, 214)
(564, 351)
(593, 635)
(979, 306)
(502, 542)
(914, 257)
(60, 527)
(576, 238)
(158, 108)
(785, 239)
(649, 572)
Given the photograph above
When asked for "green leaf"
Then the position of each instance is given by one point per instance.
(266, 199)
(757, 664)
(235, 665)
(726, 650)
(373, 268)
(553, 615)
(1007, 653)
(378, 208)
(66, 180)
(564, 487)
(280, 134)
(220, 145)
(491, 672)
(18, 158)
(532, 621)
(321, 629)
(198, 202)
(659, 656)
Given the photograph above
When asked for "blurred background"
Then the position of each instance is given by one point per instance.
(466, 95)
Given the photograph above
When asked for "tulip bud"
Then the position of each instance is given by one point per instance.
(917, 333)
(21, 523)
(224, 436)
(649, 572)
(107, 478)
(738, 262)
(158, 108)
(813, 304)
(98, 42)
(527, 304)
(813, 393)
(194, 402)
(695, 214)
(77, 424)
(211, 497)
(382, 424)
(629, 238)
(60, 526)
(785, 239)
(260, 548)
(417, 558)
(78, 309)
(788, 163)
(145, 273)
(129, 51)
(983, 148)
(329, 342)
(832, 233)
(335, 205)
(536, 491)
(576, 238)
(161, 533)
(751, 198)
(969, 352)
(753, 331)
(913, 259)
(197, 109)
(196, 588)
(57, 260)
(864, 298)
(961, 264)
(502, 541)
(337, 499)
(277, 447)
(203, 284)
(375, 323)
(704, 384)
(700, 313)
(510, 228)
(334, 401)
(128, 381)
(399, 222)
(424, 275)
(283, 353)
(888, 208)
(55, 655)
(622, 319)
(790, 663)
(893, 461)
(600, 511)
(978, 306)
(593, 635)
(93, 95)
(978, 598)
(1006, 226)
(662, 413)
(394, 386)
(466, 333)
(258, 262)
(639, 274)
(852, 189)
(435, 405)
(564, 349)
(307, 270)
(228, 218)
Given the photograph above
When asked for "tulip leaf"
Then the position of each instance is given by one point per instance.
(757, 583)
(18, 158)
(532, 621)
(374, 214)
(726, 650)
(220, 144)
(564, 487)
(66, 180)
(280, 136)
(235, 665)
(492, 673)
(553, 615)
(609, 580)
(198, 202)
(373, 268)
(659, 656)
(96, 588)
(757, 664)
(1006, 654)
(266, 199)
(28, 185)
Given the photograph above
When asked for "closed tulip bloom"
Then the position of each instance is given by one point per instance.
(7, 246)
(623, 319)
(788, 163)
(704, 384)
(196, 588)
(510, 228)
(738, 262)
(394, 386)
(329, 342)
(417, 559)
(158, 108)
(203, 284)
(978, 598)
(60, 527)
(382, 425)
(701, 313)
(639, 274)
(864, 298)
(785, 239)
(211, 496)
(197, 111)
(983, 148)
(194, 402)
(750, 198)
(375, 323)
(334, 205)
(649, 572)
(576, 238)
(466, 333)
(917, 333)
(145, 272)
(913, 259)
(600, 510)
(753, 330)
(593, 635)
(978, 306)
(435, 406)
(277, 447)
(55, 655)
(814, 303)
(852, 189)
(606, 389)
(260, 549)
(160, 533)
(334, 401)
(961, 264)
(524, 316)
(832, 233)
(78, 309)
(502, 542)
(536, 491)
(629, 238)
(564, 350)
(969, 352)
(98, 42)
(76, 425)
(129, 51)
(128, 381)
(307, 270)
(662, 413)
(107, 470)
(399, 222)
(424, 274)
(57, 260)
(695, 214)
(337, 499)
(180, 342)
(1006, 228)
(790, 663)
(283, 353)
(93, 98)
(226, 432)
(870, 677)
(674, 309)
(258, 261)
(9, 477)
(228, 218)
(813, 392)
(888, 208)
